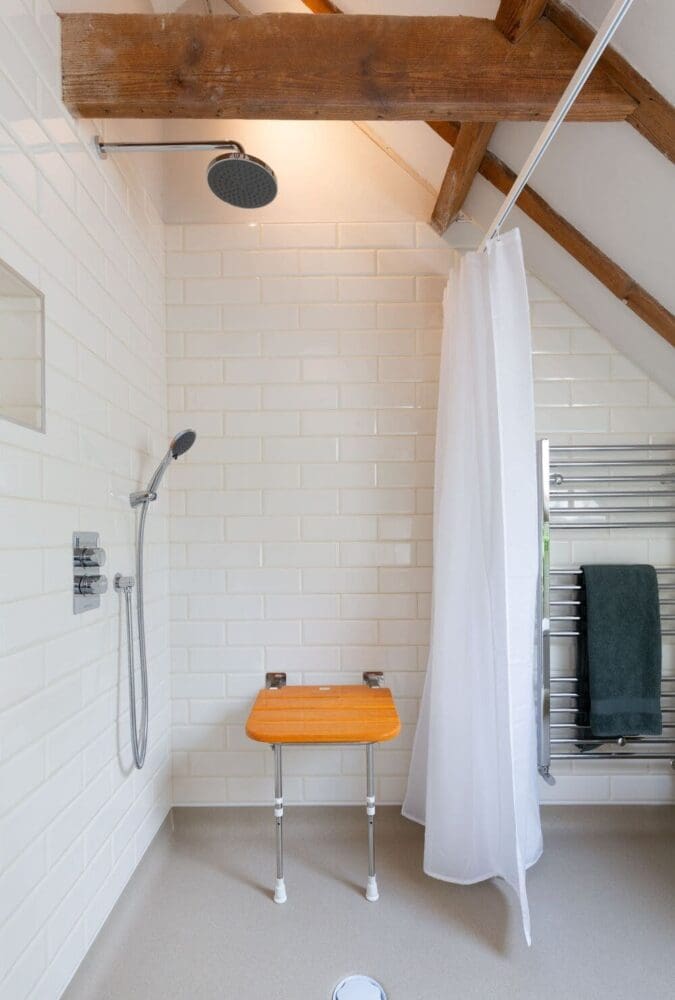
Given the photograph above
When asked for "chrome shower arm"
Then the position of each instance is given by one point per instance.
(103, 148)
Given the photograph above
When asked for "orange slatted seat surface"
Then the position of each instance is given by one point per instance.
(340, 713)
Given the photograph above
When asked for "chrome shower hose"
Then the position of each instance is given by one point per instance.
(139, 734)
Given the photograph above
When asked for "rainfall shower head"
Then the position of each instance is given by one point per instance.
(235, 177)
(242, 180)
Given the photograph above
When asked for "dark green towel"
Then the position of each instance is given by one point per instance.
(620, 651)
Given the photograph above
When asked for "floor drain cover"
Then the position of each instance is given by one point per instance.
(359, 988)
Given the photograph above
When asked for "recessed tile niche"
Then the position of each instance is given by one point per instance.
(21, 351)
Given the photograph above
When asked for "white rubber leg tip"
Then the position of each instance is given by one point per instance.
(279, 891)
(372, 895)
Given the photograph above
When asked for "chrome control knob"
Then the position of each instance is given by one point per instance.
(95, 584)
(89, 557)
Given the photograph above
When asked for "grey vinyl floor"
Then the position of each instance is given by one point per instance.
(197, 921)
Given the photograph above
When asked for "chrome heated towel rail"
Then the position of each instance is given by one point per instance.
(606, 489)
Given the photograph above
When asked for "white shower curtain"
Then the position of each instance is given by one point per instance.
(473, 774)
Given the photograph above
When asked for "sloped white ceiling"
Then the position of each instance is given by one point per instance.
(605, 179)
(646, 38)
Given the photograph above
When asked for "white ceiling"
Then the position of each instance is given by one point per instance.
(605, 179)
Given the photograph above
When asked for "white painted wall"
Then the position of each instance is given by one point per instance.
(75, 818)
(306, 356)
(326, 171)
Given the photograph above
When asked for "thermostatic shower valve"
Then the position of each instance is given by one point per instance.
(88, 582)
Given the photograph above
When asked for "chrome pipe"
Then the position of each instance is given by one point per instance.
(573, 694)
(280, 885)
(576, 725)
(577, 570)
(578, 511)
(611, 463)
(571, 602)
(611, 447)
(651, 740)
(607, 526)
(608, 494)
(103, 148)
(612, 756)
(663, 478)
(575, 680)
(543, 637)
(572, 708)
(370, 810)
(561, 635)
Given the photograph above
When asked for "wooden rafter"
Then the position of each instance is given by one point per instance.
(292, 66)
(613, 277)
(468, 151)
(515, 17)
(654, 117)
(322, 7)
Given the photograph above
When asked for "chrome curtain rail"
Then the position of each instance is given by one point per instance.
(602, 38)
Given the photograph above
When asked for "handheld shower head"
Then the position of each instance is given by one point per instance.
(242, 180)
(181, 443)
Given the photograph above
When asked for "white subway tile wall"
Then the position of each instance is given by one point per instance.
(306, 357)
(75, 818)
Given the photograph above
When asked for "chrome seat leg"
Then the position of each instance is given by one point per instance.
(372, 895)
(280, 886)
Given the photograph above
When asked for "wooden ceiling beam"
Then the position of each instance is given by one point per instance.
(291, 66)
(654, 117)
(613, 277)
(469, 148)
(515, 17)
